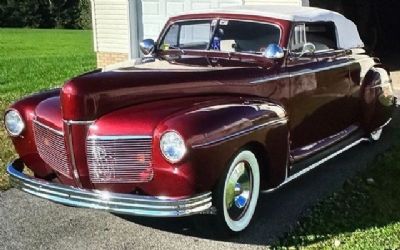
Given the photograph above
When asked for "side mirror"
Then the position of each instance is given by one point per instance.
(274, 51)
(308, 48)
(147, 46)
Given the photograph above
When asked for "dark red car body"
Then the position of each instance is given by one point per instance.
(285, 110)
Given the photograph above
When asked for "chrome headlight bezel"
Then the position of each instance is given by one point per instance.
(174, 141)
(18, 122)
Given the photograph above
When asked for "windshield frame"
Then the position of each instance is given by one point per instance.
(218, 20)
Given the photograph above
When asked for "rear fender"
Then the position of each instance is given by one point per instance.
(378, 98)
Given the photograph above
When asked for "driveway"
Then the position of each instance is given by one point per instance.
(31, 223)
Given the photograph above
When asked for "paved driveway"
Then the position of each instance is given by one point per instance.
(30, 223)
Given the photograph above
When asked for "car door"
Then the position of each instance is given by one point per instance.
(321, 105)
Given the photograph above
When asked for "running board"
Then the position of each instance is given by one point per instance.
(319, 162)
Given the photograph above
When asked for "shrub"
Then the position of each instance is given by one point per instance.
(72, 14)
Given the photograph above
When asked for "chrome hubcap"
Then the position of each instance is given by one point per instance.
(238, 190)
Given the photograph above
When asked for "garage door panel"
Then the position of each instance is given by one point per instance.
(174, 8)
(157, 12)
(151, 7)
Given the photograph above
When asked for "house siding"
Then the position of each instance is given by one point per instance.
(111, 29)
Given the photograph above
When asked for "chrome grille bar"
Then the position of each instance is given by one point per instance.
(124, 159)
(51, 147)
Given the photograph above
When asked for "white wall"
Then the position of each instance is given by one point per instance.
(110, 25)
(156, 12)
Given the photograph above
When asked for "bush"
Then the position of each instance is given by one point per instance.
(85, 18)
(71, 14)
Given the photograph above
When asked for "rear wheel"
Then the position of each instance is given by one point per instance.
(237, 193)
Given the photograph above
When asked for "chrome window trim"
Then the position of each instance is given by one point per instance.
(218, 18)
(294, 24)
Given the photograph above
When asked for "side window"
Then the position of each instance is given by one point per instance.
(188, 35)
(171, 37)
(322, 35)
(298, 38)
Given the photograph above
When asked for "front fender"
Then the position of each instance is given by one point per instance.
(25, 143)
(215, 130)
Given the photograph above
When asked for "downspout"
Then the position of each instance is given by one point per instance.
(135, 27)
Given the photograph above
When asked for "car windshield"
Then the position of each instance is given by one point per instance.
(220, 35)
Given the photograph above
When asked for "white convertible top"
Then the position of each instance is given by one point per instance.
(347, 33)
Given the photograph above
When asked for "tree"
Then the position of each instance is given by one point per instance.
(72, 14)
(85, 18)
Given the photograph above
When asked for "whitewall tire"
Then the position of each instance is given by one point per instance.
(237, 193)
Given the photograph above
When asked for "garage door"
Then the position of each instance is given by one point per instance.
(157, 12)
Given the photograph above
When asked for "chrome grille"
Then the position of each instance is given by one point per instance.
(51, 147)
(119, 159)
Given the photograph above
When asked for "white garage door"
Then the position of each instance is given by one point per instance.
(157, 12)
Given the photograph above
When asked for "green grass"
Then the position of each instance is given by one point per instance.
(365, 214)
(34, 60)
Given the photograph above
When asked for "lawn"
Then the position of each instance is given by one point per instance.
(365, 214)
(33, 60)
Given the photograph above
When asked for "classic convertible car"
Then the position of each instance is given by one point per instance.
(224, 105)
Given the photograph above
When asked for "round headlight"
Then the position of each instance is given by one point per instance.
(14, 123)
(172, 146)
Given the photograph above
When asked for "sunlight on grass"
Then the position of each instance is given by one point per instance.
(34, 60)
(365, 214)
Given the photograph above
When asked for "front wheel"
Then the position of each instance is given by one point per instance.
(237, 193)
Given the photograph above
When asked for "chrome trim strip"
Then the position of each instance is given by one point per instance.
(301, 72)
(305, 151)
(112, 202)
(60, 133)
(71, 122)
(386, 123)
(118, 137)
(242, 132)
(75, 173)
(318, 163)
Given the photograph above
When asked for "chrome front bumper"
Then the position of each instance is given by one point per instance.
(112, 202)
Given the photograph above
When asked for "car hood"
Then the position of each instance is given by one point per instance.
(90, 96)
